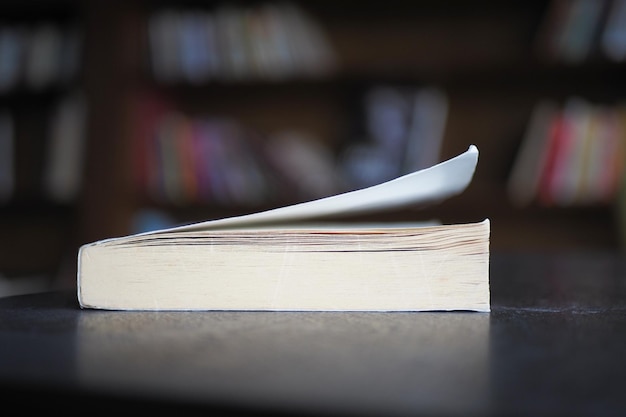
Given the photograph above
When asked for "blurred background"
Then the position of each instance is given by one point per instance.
(119, 117)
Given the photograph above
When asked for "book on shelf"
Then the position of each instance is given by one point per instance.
(182, 159)
(613, 39)
(228, 43)
(575, 31)
(578, 40)
(571, 155)
(560, 179)
(43, 56)
(427, 127)
(7, 156)
(39, 56)
(306, 256)
(10, 57)
(524, 180)
(63, 172)
(403, 131)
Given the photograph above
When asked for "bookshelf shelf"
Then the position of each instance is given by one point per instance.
(40, 69)
(482, 54)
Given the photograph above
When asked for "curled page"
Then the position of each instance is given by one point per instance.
(426, 186)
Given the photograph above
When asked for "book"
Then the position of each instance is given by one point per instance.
(525, 177)
(304, 257)
(557, 139)
(578, 37)
(570, 30)
(12, 47)
(613, 39)
(43, 56)
(66, 149)
(7, 156)
(403, 130)
(426, 132)
(562, 183)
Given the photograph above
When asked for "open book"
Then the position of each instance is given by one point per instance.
(287, 259)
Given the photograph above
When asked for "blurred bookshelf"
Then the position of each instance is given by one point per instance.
(172, 112)
(42, 140)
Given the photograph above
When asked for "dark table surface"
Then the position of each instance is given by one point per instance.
(553, 344)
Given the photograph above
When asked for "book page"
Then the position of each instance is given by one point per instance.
(423, 187)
